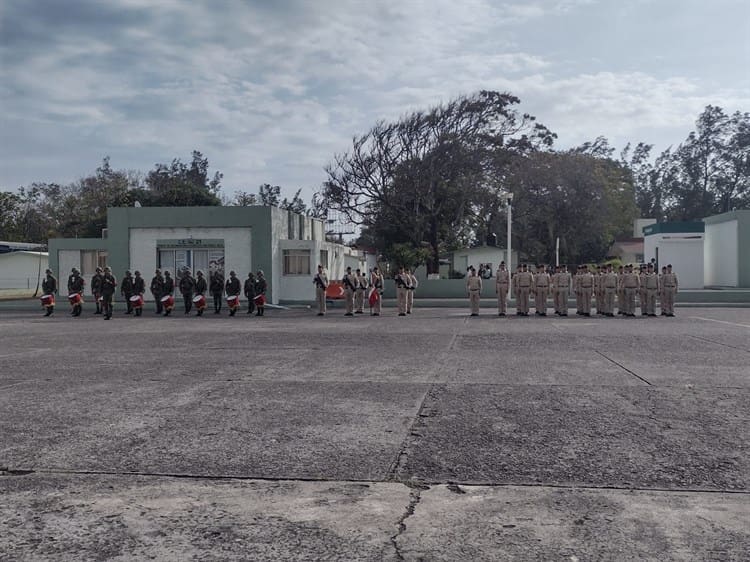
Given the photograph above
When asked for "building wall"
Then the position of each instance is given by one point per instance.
(683, 250)
(721, 267)
(65, 253)
(22, 270)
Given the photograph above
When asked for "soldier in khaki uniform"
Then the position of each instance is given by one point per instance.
(402, 286)
(586, 288)
(413, 283)
(562, 290)
(376, 282)
(359, 293)
(620, 291)
(650, 283)
(350, 285)
(642, 296)
(630, 285)
(669, 279)
(577, 290)
(541, 290)
(502, 283)
(321, 284)
(610, 282)
(524, 283)
(474, 289)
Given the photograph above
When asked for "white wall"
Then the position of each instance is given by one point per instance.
(720, 267)
(22, 270)
(686, 257)
(237, 248)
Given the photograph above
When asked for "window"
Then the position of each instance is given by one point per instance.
(207, 260)
(324, 259)
(296, 262)
(91, 259)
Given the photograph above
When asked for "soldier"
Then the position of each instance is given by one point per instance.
(233, 290)
(75, 286)
(474, 289)
(563, 290)
(187, 286)
(359, 292)
(126, 290)
(249, 290)
(96, 289)
(502, 283)
(630, 285)
(599, 289)
(201, 286)
(217, 289)
(108, 292)
(168, 291)
(524, 283)
(650, 282)
(620, 291)
(413, 283)
(586, 288)
(376, 296)
(610, 290)
(642, 293)
(670, 290)
(139, 288)
(349, 281)
(321, 284)
(261, 286)
(49, 287)
(541, 290)
(402, 286)
(661, 290)
(157, 290)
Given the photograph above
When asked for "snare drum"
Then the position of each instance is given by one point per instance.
(48, 300)
(168, 302)
(75, 298)
(233, 301)
(136, 301)
(199, 301)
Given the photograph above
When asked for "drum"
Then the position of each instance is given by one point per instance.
(136, 301)
(167, 301)
(199, 301)
(48, 300)
(260, 300)
(75, 298)
(233, 301)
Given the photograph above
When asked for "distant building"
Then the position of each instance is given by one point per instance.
(727, 250)
(627, 250)
(487, 256)
(22, 269)
(679, 244)
(287, 246)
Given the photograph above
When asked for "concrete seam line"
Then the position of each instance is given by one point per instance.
(636, 375)
(720, 321)
(719, 343)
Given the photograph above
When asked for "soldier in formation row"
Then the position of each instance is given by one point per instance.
(162, 287)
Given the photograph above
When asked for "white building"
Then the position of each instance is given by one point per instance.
(679, 244)
(22, 270)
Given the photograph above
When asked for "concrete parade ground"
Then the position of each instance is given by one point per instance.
(435, 436)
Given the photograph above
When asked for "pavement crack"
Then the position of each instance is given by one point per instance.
(415, 496)
(623, 367)
(720, 343)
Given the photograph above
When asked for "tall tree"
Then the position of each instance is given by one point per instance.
(182, 185)
(413, 180)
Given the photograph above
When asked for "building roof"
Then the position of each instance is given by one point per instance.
(742, 215)
(17, 246)
(673, 227)
(25, 253)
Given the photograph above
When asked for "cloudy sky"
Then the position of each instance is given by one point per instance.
(270, 90)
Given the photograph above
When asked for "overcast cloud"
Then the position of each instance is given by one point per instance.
(269, 91)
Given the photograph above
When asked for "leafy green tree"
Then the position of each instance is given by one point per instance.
(182, 185)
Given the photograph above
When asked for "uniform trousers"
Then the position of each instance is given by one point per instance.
(630, 300)
(667, 301)
(359, 299)
(376, 307)
(540, 299)
(349, 299)
(474, 300)
(401, 299)
(561, 295)
(409, 300)
(188, 300)
(650, 302)
(523, 300)
(502, 298)
(586, 293)
(609, 300)
(320, 297)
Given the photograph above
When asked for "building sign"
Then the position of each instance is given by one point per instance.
(191, 243)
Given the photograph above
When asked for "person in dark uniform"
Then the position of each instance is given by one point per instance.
(233, 289)
(168, 290)
(201, 286)
(249, 290)
(49, 286)
(217, 290)
(260, 289)
(139, 288)
(187, 286)
(157, 289)
(75, 285)
(126, 290)
(108, 291)
(96, 289)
